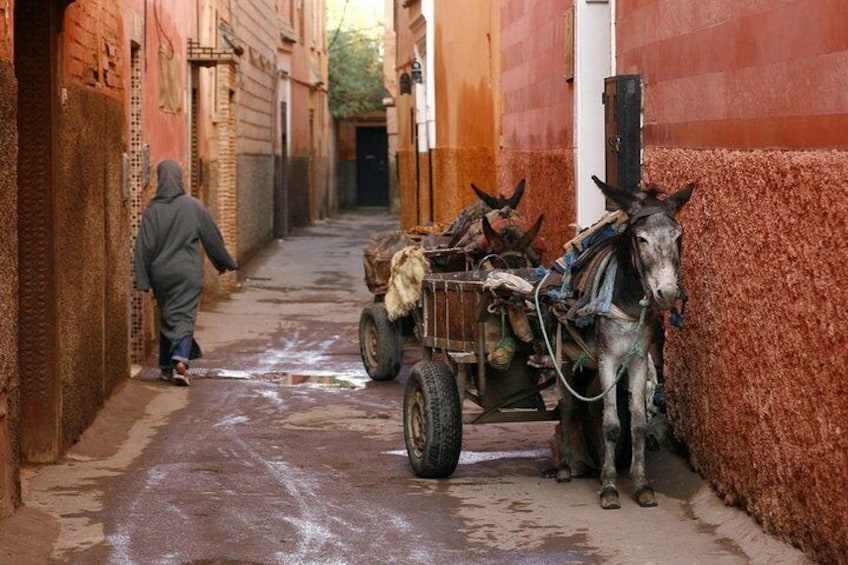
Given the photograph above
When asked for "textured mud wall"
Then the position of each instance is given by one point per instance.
(346, 182)
(254, 184)
(91, 273)
(9, 385)
(407, 191)
(549, 190)
(755, 382)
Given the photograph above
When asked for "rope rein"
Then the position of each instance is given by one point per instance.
(635, 347)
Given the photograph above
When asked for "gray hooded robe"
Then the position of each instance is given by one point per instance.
(167, 255)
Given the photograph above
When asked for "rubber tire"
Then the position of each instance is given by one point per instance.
(432, 420)
(379, 343)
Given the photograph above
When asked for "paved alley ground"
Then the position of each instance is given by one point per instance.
(283, 452)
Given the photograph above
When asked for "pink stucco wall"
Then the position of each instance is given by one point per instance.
(165, 131)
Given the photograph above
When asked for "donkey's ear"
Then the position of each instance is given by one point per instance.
(679, 199)
(492, 236)
(530, 234)
(623, 198)
(516, 195)
(489, 201)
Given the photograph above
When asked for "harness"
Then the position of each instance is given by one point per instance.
(589, 268)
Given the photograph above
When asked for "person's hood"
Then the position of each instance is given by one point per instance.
(170, 176)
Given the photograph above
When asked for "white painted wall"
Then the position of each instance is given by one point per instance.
(428, 9)
(592, 63)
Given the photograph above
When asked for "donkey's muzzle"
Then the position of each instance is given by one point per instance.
(666, 296)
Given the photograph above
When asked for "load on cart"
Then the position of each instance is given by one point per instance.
(490, 231)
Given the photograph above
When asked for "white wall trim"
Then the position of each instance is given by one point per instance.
(428, 8)
(592, 63)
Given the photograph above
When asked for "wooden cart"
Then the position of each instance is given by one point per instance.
(455, 330)
(380, 339)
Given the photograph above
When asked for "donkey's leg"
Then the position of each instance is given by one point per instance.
(566, 405)
(637, 377)
(612, 429)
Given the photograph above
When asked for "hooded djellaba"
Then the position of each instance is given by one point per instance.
(168, 261)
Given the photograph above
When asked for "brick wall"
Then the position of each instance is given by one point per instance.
(6, 32)
(93, 52)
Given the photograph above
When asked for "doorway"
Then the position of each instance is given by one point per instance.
(372, 171)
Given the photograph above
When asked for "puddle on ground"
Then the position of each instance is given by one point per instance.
(472, 457)
(352, 380)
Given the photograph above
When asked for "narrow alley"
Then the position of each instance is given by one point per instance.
(283, 452)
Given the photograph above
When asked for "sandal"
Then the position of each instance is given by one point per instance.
(181, 377)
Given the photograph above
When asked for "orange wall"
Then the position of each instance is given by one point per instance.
(465, 63)
(467, 58)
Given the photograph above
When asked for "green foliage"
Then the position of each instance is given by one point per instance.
(356, 74)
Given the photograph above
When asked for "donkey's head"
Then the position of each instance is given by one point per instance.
(500, 201)
(655, 237)
(512, 240)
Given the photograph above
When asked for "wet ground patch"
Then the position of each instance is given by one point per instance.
(318, 379)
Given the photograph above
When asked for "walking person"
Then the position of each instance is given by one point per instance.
(168, 262)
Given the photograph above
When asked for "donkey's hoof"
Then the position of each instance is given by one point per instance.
(563, 475)
(645, 497)
(609, 498)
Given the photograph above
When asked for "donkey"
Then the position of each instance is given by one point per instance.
(512, 241)
(484, 204)
(647, 282)
(499, 201)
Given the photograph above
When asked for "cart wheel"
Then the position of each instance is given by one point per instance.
(432, 420)
(379, 343)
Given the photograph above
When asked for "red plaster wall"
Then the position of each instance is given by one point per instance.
(720, 73)
(537, 129)
(755, 381)
(165, 132)
(537, 101)
(550, 191)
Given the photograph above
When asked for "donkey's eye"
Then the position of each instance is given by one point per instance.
(641, 240)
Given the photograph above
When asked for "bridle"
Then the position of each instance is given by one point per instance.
(677, 315)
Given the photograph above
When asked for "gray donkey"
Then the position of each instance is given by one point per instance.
(643, 268)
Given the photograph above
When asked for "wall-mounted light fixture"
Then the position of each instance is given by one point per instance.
(417, 75)
(405, 84)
